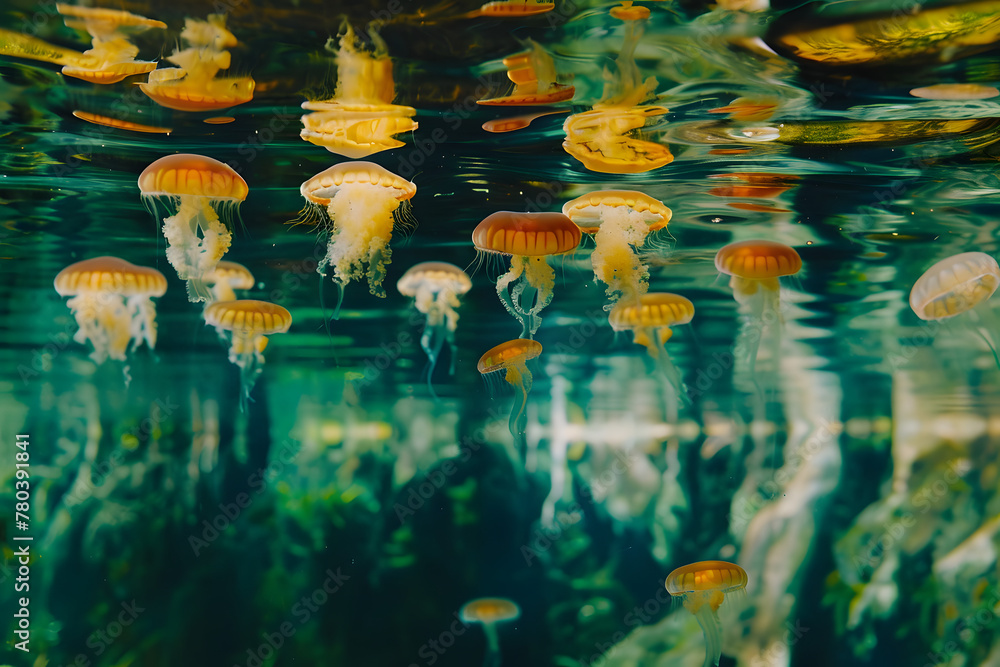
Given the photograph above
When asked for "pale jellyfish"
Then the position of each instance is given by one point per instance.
(755, 267)
(111, 57)
(958, 284)
(620, 221)
(250, 323)
(533, 74)
(112, 303)
(196, 237)
(226, 278)
(435, 288)
(529, 238)
(360, 119)
(702, 588)
(490, 612)
(650, 320)
(361, 202)
(192, 85)
(512, 357)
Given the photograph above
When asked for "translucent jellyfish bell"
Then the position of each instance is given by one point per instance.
(512, 357)
(226, 278)
(112, 303)
(196, 238)
(490, 612)
(361, 201)
(435, 288)
(529, 238)
(620, 221)
(702, 588)
(111, 57)
(250, 323)
(533, 74)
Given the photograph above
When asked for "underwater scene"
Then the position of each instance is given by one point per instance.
(582, 333)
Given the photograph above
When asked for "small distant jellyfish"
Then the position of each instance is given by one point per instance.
(512, 9)
(435, 287)
(512, 357)
(112, 303)
(533, 74)
(360, 119)
(956, 91)
(250, 323)
(111, 57)
(195, 185)
(192, 85)
(226, 278)
(490, 612)
(702, 588)
(529, 238)
(361, 202)
(755, 267)
(620, 221)
(651, 320)
(958, 284)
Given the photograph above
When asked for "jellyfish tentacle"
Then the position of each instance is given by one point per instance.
(492, 658)
(704, 610)
(521, 379)
(508, 299)
(667, 367)
(540, 277)
(988, 324)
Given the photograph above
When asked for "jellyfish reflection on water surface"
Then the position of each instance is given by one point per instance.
(529, 238)
(435, 288)
(112, 57)
(195, 184)
(702, 588)
(111, 301)
(958, 284)
(360, 201)
(512, 357)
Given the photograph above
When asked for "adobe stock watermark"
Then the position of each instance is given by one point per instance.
(100, 640)
(432, 650)
(966, 628)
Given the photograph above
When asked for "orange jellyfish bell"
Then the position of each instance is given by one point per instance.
(702, 588)
(196, 237)
(529, 238)
(513, 8)
(513, 357)
(228, 277)
(112, 56)
(650, 320)
(533, 73)
(489, 612)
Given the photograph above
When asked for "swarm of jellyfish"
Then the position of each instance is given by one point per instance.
(192, 85)
(111, 57)
(533, 74)
(490, 612)
(249, 323)
(702, 588)
(512, 358)
(112, 303)
(620, 221)
(435, 288)
(361, 202)
(958, 284)
(604, 139)
(360, 119)
(197, 239)
(529, 238)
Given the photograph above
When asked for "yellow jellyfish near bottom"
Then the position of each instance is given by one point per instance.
(513, 357)
(702, 588)
(435, 288)
(361, 201)
(112, 303)
(650, 320)
(250, 323)
(490, 612)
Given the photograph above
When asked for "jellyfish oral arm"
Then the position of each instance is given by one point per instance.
(362, 217)
(492, 658)
(191, 255)
(531, 293)
(704, 606)
(143, 321)
(104, 320)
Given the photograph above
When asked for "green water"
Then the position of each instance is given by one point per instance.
(837, 447)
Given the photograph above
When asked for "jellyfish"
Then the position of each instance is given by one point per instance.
(436, 287)
(227, 277)
(490, 612)
(108, 121)
(194, 183)
(112, 303)
(605, 139)
(650, 320)
(755, 267)
(361, 201)
(620, 220)
(513, 357)
(111, 57)
(511, 9)
(360, 119)
(192, 85)
(958, 284)
(956, 91)
(534, 76)
(702, 588)
(528, 238)
(250, 322)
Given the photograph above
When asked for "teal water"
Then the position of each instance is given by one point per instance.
(834, 445)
